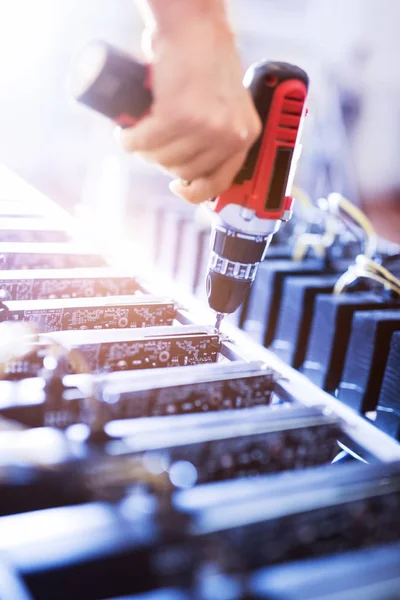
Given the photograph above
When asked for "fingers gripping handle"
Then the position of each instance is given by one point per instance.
(115, 85)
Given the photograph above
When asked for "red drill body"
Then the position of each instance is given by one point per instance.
(252, 209)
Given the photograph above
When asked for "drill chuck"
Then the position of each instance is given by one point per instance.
(234, 259)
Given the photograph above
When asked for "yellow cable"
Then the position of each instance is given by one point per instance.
(302, 197)
(371, 266)
(319, 242)
(348, 278)
(364, 268)
(337, 201)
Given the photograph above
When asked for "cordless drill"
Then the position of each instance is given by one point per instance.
(258, 201)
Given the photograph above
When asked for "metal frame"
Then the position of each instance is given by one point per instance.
(237, 345)
(368, 442)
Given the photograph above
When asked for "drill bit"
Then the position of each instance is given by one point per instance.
(218, 321)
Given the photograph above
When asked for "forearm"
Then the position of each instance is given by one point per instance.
(168, 15)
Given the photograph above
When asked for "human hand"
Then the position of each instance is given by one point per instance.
(203, 121)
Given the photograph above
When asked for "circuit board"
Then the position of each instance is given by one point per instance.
(66, 283)
(323, 527)
(110, 313)
(150, 354)
(205, 396)
(124, 478)
(46, 256)
(268, 441)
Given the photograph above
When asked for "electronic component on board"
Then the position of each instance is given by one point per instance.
(123, 350)
(98, 351)
(113, 312)
(200, 389)
(276, 519)
(15, 255)
(121, 477)
(304, 515)
(126, 395)
(65, 283)
(32, 362)
(237, 444)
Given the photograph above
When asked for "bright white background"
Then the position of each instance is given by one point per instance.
(61, 148)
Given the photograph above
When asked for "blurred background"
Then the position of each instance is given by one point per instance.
(349, 48)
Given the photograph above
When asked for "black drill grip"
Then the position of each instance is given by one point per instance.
(113, 84)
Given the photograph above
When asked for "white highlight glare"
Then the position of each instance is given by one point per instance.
(183, 474)
(50, 363)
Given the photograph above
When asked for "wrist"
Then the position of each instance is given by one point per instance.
(174, 17)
